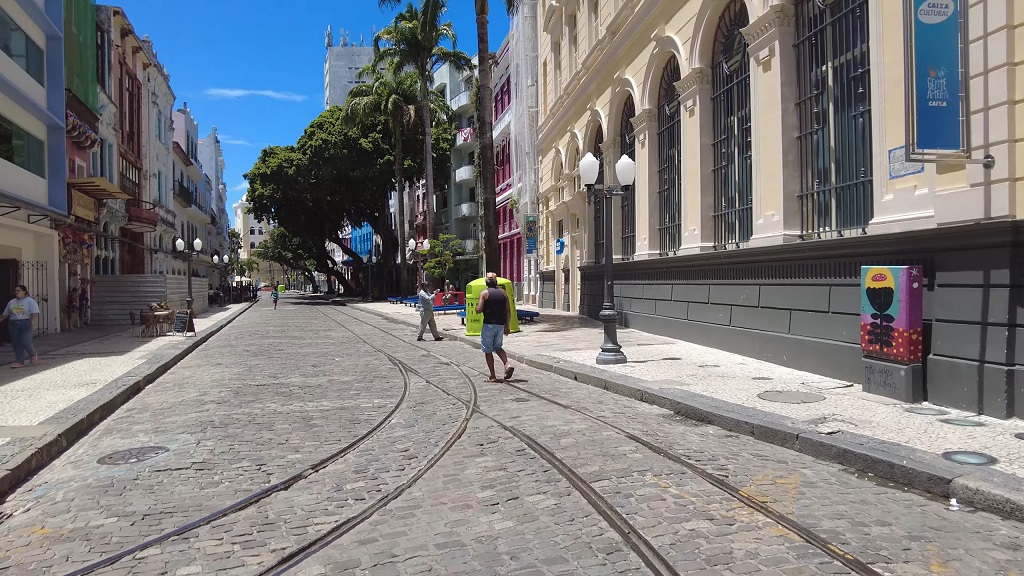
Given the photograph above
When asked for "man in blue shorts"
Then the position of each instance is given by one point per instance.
(496, 307)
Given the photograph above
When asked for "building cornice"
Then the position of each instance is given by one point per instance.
(697, 80)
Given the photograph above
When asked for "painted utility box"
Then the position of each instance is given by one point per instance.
(475, 320)
(891, 326)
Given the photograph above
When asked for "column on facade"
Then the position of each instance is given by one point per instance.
(645, 124)
(698, 159)
(775, 125)
(611, 150)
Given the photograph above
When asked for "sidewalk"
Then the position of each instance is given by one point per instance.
(837, 421)
(82, 378)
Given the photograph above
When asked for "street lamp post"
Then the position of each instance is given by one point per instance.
(180, 245)
(625, 171)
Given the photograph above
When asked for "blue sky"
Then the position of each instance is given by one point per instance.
(254, 68)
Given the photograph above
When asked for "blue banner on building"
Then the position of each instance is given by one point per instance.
(530, 233)
(939, 116)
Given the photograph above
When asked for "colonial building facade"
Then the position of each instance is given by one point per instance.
(769, 142)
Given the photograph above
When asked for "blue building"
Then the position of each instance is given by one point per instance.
(33, 156)
(362, 240)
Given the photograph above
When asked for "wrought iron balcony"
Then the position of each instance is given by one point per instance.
(142, 216)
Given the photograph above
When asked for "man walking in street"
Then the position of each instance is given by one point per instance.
(496, 307)
(427, 312)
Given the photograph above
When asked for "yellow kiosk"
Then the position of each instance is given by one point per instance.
(475, 320)
(280, 288)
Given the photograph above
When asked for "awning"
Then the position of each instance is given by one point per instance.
(98, 187)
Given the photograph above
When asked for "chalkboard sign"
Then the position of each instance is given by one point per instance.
(183, 323)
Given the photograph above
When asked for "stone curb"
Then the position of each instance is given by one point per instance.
(75, 421)
(982, 488)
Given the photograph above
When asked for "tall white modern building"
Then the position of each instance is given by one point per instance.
(342, 66)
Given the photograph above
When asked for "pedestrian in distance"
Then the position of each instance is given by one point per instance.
(22, 315)
(496, 307)
(274, 296)
(427, 311)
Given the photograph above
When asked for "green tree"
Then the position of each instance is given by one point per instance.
(416, 40)
(291, 252)
(442, 255)
(392, 94)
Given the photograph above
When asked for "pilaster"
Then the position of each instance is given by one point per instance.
(773, 97)
(611, 151)
(645, 125)
(698, 160)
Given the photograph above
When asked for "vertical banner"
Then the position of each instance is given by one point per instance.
(936, 75)
(530, 232)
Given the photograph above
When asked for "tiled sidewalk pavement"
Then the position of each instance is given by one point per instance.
(692, 372)
(44, 408)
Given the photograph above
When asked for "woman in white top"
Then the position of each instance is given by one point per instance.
(22, 314)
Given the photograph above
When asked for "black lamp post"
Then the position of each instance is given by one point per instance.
(180, 245)
(625, 170)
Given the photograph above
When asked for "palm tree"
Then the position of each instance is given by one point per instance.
(393, 94)
(485, 124)
(415, 41)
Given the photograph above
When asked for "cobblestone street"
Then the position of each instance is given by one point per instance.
(318, 439)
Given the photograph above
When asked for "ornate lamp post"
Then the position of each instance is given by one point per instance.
(625, 170)
(179, 244)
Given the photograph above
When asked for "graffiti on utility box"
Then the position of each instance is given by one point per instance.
(891, 325)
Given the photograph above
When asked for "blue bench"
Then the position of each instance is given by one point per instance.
(528, 315)
(395, 300)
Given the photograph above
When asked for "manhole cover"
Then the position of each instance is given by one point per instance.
(790, 397)
(762, 378)
(925, 411)
(1019, 436)
(133, 455)
(961, 422)
(969, 458)
(520, 399)
(671, 358)
(708, 366)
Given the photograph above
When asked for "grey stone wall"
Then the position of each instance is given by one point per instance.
(798, 305)
(546, 299)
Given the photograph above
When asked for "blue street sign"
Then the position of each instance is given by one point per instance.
(939, 122)
(530, 233)
(559, 246)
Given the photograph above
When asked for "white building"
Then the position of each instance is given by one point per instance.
(190, 194)
(212, 158)
(158, 161)
(342, 66)
(253, 232)
(33, 157)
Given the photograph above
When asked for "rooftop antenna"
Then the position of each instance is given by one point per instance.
(328, 37)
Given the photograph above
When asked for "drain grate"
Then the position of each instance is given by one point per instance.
(961, 422)
(926, 411)
(969, 458)
(790, 397)
(133, 455)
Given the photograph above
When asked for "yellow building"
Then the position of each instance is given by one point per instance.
(769, 138)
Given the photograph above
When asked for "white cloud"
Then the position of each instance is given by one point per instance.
(234, 93)
(240, 187)
(236, 142)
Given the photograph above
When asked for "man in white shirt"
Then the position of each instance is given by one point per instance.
(427, 312)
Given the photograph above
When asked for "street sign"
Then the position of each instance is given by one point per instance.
(938, 119)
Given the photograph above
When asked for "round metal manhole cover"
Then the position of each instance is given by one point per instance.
(133, 455)
(1019, 436)
(961, 422)
(924, 411)
(520, 399)
(708, 366)
(968, 458)
(790, 397)
(763, 378)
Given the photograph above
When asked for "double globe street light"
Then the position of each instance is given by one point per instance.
(625, 171)
(179, 244)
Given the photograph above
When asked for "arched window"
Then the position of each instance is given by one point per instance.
(252, 245)
(599, 202)
(260, 231)
(834, 108)
(252, 230)
(627, 143)
(733, 198)
(669, 161)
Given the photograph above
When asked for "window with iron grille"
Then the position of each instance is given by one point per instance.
(599, 200)
(628, 145)
(669, 148)
(733, 174)
(834, 108)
